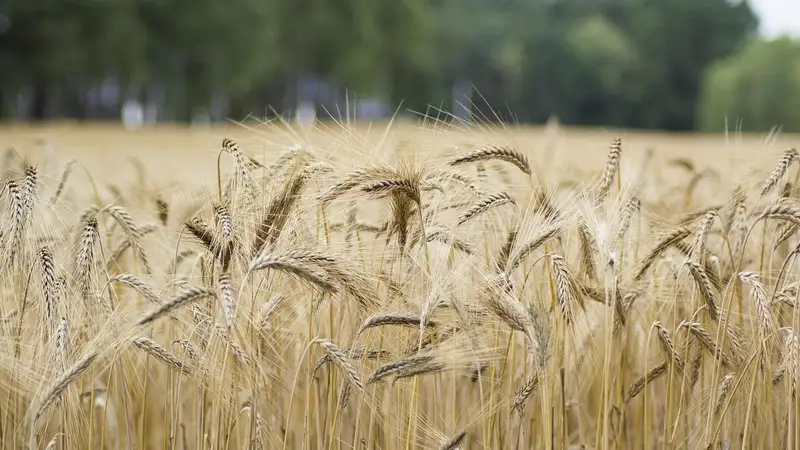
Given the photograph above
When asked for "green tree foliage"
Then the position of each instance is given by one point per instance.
(755, 89)
(631, 63)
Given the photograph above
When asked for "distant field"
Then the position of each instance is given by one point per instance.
(474, 288)
(164, 149)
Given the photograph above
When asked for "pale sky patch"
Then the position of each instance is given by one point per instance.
(778, 17)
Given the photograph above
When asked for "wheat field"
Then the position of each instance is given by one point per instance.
(397, 287)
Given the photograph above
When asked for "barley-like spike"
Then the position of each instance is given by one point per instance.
(487, 203)
(163, 210)
(418, 368)
(405, 319)
(706, 288)
(269, 309)
(240, 354)
(183, 299)
(19, 218)
(395, 366)
(62, 343)
(49, 285)
(53, 442)
(85, 257)
(455, 441)
(530, 247)
(125, 220)
(706, 340)
(62, 382)
(188, 349)
(665, 338)
(224, 221)
(242, 162)
(588, 249)
(564, 293)
(389, 186)
(162, 354)
(640, 383)
(125, 244)
(633, 205)
(345, 396)
(525, 391)
(780, 170)
(340, 358)
(786, 232)
(223, 252)
(303, 264)
(785, 212)
(226, 298)
(62, 182)
(29, 188)
(711, 272)
(277, 213)
(676, 235)
(138, 285)
(495, 153)
(702, 232)
(610, 170)
(353, 353)
(760, 297)
(722, 391)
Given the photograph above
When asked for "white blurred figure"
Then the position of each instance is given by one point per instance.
(305, 114)
(132, 114)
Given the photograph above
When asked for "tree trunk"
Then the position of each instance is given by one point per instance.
(39, 110)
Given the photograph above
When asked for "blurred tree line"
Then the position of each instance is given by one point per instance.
(633, 63)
